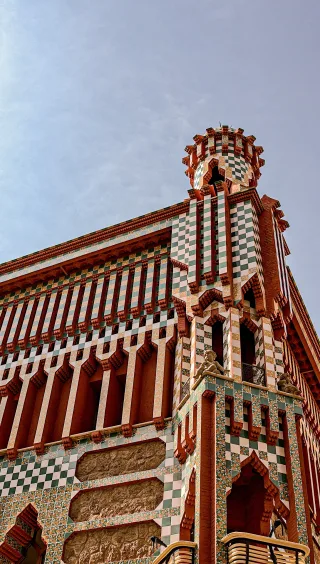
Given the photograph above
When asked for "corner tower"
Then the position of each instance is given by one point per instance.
(223, 153)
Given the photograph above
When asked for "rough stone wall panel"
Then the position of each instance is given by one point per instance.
(123, 460)
(116, 500)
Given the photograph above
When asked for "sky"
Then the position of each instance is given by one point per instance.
(98, 99)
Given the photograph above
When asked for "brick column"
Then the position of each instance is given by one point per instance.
(126, 422)
(46, 398)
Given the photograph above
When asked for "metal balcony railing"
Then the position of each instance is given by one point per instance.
(245, 548)
(185, 389)
(253, 374)
(181, 552)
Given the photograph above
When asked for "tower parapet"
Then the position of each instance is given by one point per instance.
(223, 153)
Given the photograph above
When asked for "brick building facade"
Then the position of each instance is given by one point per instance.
(118, 423)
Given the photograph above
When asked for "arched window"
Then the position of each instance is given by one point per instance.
(215, 176)
(248, 353)
(217, 340)
(249, 297)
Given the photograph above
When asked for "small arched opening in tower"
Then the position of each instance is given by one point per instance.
(88, 397)
(245, 503)
(249, 298)
(217, 340)
(248, 353)
(215, 176)
(31, 409)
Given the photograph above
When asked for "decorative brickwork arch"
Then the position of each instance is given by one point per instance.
(23, 541)
(255, 284)
(215, 316)
(205, 300)
(265, 498)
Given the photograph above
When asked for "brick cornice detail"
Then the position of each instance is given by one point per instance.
(249, 194)
(96, 237)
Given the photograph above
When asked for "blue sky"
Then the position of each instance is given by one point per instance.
(98, 99)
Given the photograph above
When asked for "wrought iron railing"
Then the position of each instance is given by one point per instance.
(181, 552)
(253, 374)
(245, 548)
(185, 389)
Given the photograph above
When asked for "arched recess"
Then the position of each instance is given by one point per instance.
(216, 322)
(58, 402)
(253, 498)
(23, 542)
(118, 365)
(144, 382)
(31, 408)
(248, 333)
(9, 394)
(87, 400)
(187, 521)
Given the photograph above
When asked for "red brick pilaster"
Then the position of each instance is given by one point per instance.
(305, 492)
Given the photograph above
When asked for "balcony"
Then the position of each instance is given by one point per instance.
(253, 374)
(245, 548)
(181, 552)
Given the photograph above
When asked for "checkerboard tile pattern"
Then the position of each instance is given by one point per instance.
(278, 357)
(242, 239)
(179, 238)
(180, 253)
(222, 234)
(193, 243)
(31, 474)
(198, 175)
(256, 234)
